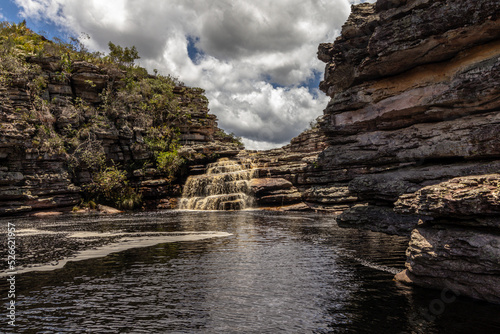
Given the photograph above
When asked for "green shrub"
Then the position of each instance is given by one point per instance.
(110, 186)
(169, 163)
(123, 56)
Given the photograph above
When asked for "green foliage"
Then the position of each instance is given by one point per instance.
(152, 98)
(163, 142)
(65, 124)
(88, 154)
(48, 141)
(120, 55)
(169, 163)
(162, 139)
(110, 186)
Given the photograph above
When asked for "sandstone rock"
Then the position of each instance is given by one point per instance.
(266, 185)
(47, 214)
(274, 191)
(401, 35)
(459, 248)
(293, 207)
(464, 260)
(463, 198)
(107, 209)
(280, 198)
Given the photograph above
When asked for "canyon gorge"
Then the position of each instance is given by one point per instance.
(407, 145)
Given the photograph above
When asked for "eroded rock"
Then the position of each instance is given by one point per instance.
(464, 260)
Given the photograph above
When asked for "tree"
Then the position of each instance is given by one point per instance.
(123, 56)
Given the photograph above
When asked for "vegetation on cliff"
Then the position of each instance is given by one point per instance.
(108, 120)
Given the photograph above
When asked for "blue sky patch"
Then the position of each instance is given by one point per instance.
(10, 12)
(194, 53)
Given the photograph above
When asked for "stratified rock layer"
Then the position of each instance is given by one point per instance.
(415, 89)
(35, 165)
(415, 102)
(414, 98)
(459, 247)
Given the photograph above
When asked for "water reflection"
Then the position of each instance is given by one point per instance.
(275, 273)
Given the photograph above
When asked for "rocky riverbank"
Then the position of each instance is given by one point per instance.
(415, 89)
(459, 245)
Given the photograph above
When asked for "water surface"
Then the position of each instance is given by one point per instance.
(227, 272)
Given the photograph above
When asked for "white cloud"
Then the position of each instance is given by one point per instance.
(256, 55)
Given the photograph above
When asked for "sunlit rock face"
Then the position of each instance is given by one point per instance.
(414, 87)
(36, 173)
(415, 102)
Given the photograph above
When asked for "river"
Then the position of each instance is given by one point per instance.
(220, 272)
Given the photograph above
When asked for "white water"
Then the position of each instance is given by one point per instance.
(224, 186)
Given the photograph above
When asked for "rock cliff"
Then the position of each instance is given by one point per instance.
(74, 123)
(415, 103)
(414, 87)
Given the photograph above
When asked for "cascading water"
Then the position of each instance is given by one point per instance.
(224, 186)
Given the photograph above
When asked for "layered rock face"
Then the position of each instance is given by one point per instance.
(459, 246)
(414, 87)
(52, 117)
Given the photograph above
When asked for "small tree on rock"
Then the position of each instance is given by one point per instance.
(123, 56)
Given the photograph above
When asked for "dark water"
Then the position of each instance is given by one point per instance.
(275, 273)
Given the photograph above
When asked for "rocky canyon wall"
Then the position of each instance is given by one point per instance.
(66, 121)
(415, 99)
(414, 119)
(414, 89)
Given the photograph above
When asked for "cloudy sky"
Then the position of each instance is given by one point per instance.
(255, 59)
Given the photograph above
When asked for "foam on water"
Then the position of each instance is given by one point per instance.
(127, 241)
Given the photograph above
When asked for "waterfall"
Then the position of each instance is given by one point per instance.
(224, 186)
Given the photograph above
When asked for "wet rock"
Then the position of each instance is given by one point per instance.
(459, 247)
(274, 192)
(266, 185)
